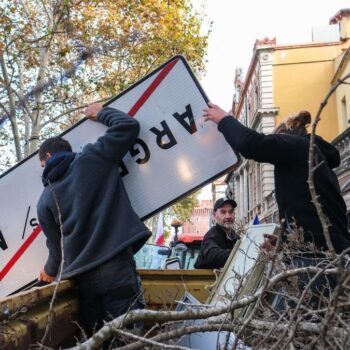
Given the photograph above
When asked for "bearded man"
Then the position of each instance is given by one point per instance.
(218, 242)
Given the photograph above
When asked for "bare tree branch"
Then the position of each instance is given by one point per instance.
(12, 106)
(147, 315)
(324, 220)
(59, 275)
(71, 110)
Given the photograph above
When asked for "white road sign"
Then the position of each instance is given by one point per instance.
(175, 154)
(238, 278)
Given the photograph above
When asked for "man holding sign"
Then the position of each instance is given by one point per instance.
(173, 146)
(85, 204)
(288, 150)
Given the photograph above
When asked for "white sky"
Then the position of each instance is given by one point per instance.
(237, 24)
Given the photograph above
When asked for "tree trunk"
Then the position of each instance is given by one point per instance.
(12, 112)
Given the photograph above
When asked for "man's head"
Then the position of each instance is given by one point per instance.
(224, 213)
(51, 146)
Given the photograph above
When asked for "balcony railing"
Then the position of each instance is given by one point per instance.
(342, 143)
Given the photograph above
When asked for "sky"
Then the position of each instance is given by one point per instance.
(237, 24)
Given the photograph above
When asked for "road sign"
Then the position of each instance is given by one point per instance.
(243, 269)
(175, 154)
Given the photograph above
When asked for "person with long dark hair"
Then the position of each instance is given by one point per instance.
(288, 150)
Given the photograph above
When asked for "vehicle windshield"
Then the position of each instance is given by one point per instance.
(152, 256)
(188, 257)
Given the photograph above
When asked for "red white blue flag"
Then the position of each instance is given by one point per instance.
(160, 231)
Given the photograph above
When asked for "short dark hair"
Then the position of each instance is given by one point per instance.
(53, 145)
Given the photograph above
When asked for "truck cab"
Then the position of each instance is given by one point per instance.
(181, 254)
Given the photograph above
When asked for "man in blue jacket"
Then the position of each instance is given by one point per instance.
(85, 204)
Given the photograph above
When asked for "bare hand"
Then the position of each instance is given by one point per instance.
(43, 276)
(269, 242)
(92, 111)
(214, 113)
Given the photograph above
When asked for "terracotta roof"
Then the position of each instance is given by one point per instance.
(339, 15)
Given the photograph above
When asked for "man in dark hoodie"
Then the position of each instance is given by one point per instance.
(85, 204)
(288, 151)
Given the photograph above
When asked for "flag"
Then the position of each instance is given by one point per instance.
(160, 231)
(256, 220)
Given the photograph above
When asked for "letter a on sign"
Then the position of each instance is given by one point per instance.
(175, 154)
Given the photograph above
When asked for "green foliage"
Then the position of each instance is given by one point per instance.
(182, 209)
(57, 56)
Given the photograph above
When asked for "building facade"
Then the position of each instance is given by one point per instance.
(282, 80)
(342, 96)
(200, 219)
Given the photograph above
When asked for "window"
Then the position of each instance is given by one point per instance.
(344, 111)
(257, 97)
(258, 183)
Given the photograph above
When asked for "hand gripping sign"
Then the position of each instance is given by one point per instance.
(175, 154)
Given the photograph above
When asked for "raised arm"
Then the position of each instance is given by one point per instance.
(251, 144)
(119, 137)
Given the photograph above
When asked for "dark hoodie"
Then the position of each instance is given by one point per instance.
(98, 220)
(289, 155)
(216, 247)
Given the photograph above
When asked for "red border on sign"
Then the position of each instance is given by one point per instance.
(140, 102)
(159, 78)
(20, 252)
